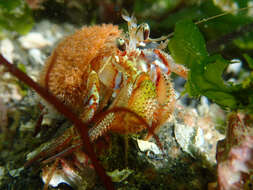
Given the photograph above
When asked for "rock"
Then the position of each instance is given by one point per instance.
(34, 40)
(7, 49)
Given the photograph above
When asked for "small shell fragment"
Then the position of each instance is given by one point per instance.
(148, 146)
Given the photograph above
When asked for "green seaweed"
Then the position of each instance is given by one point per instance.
(15, 16)
(205, 76)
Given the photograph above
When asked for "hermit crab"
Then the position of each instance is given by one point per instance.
(113, 81)
(100, 68)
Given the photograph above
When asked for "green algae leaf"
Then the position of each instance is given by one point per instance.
(187, 45)
(205, 77)
(15, 16)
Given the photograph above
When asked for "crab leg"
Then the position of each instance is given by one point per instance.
(166, 100)
(50, 148)
(92, 100)
(175, 68)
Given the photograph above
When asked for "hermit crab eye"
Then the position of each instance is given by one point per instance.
(143, 31)
(146, 31)
(121, 44)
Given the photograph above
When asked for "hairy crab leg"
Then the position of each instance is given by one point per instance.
(176, 68)
(104, 124)
(166, 100)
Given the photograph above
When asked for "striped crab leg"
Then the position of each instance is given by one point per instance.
(92, 100)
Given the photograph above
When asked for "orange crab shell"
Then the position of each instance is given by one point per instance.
(66, 71)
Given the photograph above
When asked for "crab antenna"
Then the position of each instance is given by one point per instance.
(222, 14)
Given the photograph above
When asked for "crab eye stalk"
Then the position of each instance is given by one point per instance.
(142, 32)
(146, 31)
(121, 44)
